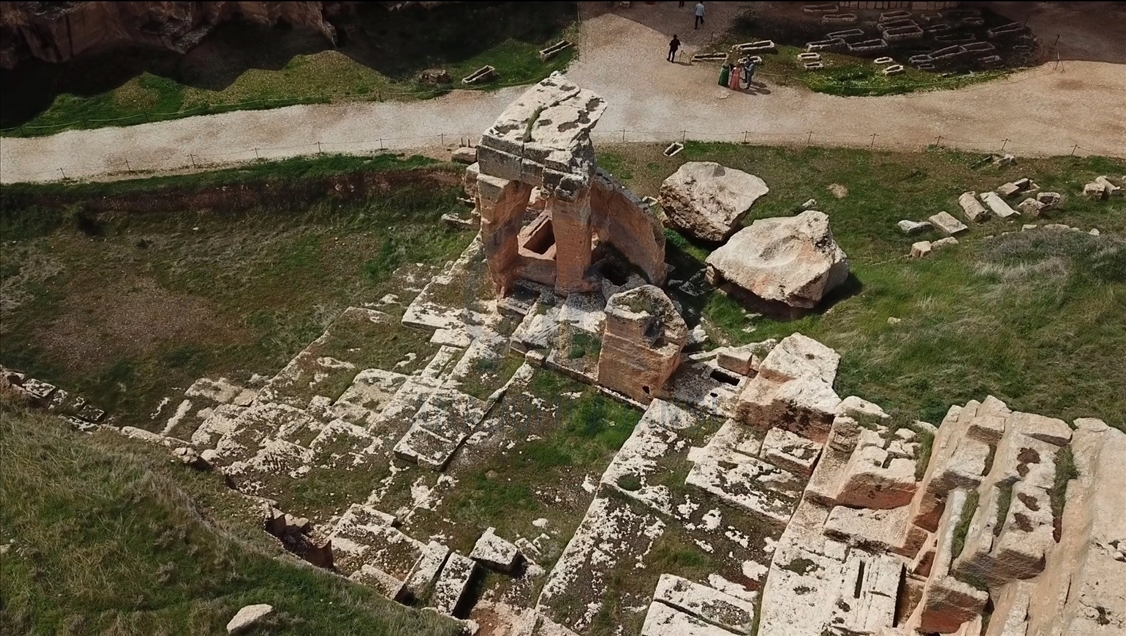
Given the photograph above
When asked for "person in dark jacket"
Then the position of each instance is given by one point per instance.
(673, 46)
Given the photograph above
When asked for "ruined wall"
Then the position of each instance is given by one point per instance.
(622, 220)
(57, 32)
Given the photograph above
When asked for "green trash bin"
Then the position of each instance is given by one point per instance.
(724, 74)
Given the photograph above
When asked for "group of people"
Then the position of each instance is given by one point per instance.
(740, 77)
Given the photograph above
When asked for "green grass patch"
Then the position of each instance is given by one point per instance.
(158, 299)
(584, 344)
(109, 536)
(1029, 317)
(1065, 472)
(963, 527)
(1004, 501)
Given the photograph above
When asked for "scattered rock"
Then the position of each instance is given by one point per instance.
(189, 457)
(972, 208)
(893, 321)
(496, 553)
(998, 205)
(1031, 207)
(809, 205)
(793, 260)
(914, 227)
(949, 240)
(947, 224)
(707, 201)
(1110, 189)
(1049, 199)
(1094, 191)
(920, 249)
(247, 617)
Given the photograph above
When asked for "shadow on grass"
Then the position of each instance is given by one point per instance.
(397, 43)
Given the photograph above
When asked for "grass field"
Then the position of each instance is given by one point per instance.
(123, 307)
(241, 67)
(105, 535)
(1031, 317)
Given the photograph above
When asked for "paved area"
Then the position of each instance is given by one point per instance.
(1048, 110)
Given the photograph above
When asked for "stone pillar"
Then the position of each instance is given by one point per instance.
(641, 344)
(571, 222)
(501, 204)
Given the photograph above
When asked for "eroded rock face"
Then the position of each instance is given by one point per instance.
(792, 260)
(59, 31)
(707, 201)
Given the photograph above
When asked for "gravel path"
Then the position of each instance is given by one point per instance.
(1041, 111)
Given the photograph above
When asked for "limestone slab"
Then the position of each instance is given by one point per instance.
(947, 224)
(998, 205)
(452, 583)
(663, 620)
(705, 603)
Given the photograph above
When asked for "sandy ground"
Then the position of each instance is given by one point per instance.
(1048, 110)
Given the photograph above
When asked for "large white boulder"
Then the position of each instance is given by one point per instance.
(707, 201)
(793, 260)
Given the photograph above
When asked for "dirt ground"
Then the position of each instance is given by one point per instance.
(1053, 109)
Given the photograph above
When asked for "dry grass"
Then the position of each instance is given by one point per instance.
(108, 536)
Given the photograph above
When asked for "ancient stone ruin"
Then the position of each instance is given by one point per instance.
(542, 142)
(746, 492)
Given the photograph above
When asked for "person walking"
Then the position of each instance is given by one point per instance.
(749, 71)
(673, 46)
(699, 15)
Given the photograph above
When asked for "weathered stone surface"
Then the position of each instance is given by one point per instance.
(1049, 199)
(947, 224)
(1094, 191)
(972, 208)
(854, 406)
(944, 242)
(425, 571)
(452, 583)
(746, 359)
(641, 343)
(799, 356)
(663, 620)
(998, 205)
(754, 485)
(496, 553)
(465, 154)
(914, 227)
(703, 602)
(247, 617)
(875, 479)
(1009, 190)
(948, 604)
(620, 219)
(790, 451)
(1031, 207)
(792, 260)
(1083, 590)
(1110, 188)
(921, 249)
(707, 201)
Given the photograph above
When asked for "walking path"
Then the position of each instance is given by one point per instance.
(1041, 111)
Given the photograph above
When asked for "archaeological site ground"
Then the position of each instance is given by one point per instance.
(486, 319)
